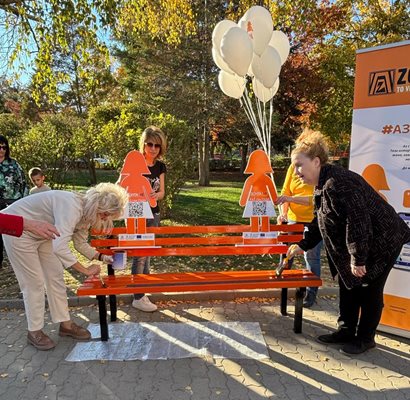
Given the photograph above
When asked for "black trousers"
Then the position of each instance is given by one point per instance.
(361, 307)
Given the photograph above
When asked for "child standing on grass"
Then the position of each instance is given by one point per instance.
(37, 177)
(153, 146)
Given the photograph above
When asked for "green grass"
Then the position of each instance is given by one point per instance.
(80, 179)
(213, 205)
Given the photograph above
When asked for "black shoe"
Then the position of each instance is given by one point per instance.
(309, 300)
(357, 346)
(341, 336)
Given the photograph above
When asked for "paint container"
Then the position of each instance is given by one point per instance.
(120, 260)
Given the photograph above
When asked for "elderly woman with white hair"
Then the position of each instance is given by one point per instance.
(38, 263)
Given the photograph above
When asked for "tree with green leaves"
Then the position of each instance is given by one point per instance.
(49, 145)
(34, 29)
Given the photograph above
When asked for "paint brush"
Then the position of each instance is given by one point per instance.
(103, 284)
(283, 264)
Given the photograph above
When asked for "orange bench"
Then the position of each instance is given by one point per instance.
(190, 241)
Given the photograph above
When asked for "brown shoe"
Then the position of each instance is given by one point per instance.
(40, 340)
(76, 332)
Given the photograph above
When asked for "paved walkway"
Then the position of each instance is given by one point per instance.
(298, 368)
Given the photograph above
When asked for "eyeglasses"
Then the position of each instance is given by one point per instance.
(3, 147)
(156, 145)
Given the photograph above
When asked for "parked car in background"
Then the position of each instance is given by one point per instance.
(101, 162)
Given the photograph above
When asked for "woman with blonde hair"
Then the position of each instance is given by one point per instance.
(38, 263)
(362, 235)
(297, 208)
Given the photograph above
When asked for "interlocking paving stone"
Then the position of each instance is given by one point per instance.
(299, 368)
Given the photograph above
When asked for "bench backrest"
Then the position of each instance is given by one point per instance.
(201, 240)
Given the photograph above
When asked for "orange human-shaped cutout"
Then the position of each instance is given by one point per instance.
(375, 176)
(259, 192)
(406, 199)
(138, 189)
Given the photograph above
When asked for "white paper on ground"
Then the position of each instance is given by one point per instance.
(165, 340)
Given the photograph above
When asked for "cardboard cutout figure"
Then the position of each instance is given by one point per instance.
(406, 198)
(140, 202)
(258, 192)
(376, 177)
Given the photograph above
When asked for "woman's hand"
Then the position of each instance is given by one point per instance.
(293, 250)
(358, 270)
(107, 259)
(282, 199)
(282, 219)
(154, 195)
(40, 228)
(93, 269)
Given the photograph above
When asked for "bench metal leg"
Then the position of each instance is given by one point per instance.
(113, 307)
(300, 294)
(284, 301)
(113, 297)
(102, 309)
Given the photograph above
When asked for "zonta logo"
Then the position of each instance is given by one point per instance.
(381, 82)
(385, 82)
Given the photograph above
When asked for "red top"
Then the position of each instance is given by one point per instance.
(11, 225)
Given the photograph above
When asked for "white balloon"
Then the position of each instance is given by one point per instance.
(280, 42)
(218, 60)
(257, 22)
(261, 13)
(220, 29)
(267, 67)
(263, 93)
(250, 72)
(232, 85)
(274, 89)
(237, 50)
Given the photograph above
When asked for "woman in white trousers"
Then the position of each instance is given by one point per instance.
(39, 263)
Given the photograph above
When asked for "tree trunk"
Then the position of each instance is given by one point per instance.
(244, 152)
(91, 170)
(203, 156)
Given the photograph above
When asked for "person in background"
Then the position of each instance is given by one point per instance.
(13, 185)
(37, 177)
(38, 263)
(153, 146)
(297, 208)
(14, 225)
(362, 235)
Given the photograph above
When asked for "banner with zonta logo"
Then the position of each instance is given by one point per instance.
(380, 152)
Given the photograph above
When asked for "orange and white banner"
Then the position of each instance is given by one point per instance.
(380, 152)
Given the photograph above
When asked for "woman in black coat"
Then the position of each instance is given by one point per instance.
(362, 234)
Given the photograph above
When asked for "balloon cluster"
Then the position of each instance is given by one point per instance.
(251, 49)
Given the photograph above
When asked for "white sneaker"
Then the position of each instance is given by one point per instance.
(144, 304)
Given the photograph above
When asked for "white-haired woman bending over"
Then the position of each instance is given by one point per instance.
(38, 263)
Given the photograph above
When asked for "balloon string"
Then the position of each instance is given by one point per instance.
(265, 124)
(270, 120)
(252, 116)
(248, 112)
(258, 108)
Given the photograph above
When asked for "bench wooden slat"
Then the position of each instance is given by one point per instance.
(169, 230)
(207, 250)
(182, 241)
(198, 281)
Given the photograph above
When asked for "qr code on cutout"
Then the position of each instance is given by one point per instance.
(135, 209)
(259, 208)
